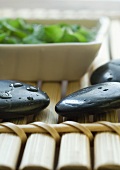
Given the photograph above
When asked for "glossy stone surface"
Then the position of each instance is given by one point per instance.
(94, 99)
(109, 72)
(19, 99)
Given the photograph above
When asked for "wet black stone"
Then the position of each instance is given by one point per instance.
(18, 100)
(109, 72)
(94, 99)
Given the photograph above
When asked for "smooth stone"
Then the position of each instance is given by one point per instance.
(109, 72)
(19, 99)
(94, 99)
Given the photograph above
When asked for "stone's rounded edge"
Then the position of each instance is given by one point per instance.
(94, 99)
(16, 101)
(94, 79)
(108, 72)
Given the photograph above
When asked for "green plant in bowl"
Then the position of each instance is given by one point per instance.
(19, 31)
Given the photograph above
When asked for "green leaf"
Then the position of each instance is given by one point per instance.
(15, 31)
(31, 40)
(14, 23)
(68, 36)
(39, 31)
(2, 37)
(53, 33)
(25, 26)
(11, 40)
(80, 37)
(75, 27)
(20, 31)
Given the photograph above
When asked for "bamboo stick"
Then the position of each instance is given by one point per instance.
(74, 86)
(75, 149)
(107, 151)
(40, 148)
(106, 144)
(74, 152)
(11, 143)
(39, 152)
(110, 116)
(19, 121)
(115, 39)
(60, 128)
(102, 57)
(54, 92)
(10, 146)
(74, 145)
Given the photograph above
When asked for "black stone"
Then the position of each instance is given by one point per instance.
(109, 72)
(94, 99)
(19, 99)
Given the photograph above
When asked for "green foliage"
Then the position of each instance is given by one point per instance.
(18, 31)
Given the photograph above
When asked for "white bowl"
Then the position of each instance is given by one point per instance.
(52, 62)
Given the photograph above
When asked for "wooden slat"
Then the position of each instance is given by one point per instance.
(42, 146)
(102, 58)
(39, 152)
(111, 116)
(115, 39)
(74, 152)
(74, 145)
(107, 151)
(106, 144)
(54, 92)
(11, 145)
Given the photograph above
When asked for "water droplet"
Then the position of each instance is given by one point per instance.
(105, 90)
(6, 101)
(17, 84)
(110, 78)
(5, 95)
(11, 85)
(99, 87)
(30, 98)
(32, 89)
(90, 103)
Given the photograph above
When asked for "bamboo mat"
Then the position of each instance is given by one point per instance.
(50, 13)
(49, 142)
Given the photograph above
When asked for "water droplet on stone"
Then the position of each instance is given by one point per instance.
(32, 89)
(30, 98)
(90, 103)
(99, 87)
(105, 90)
(110, 78)
(17, 84)
(11, 85)
(16, 101)
(5, 95)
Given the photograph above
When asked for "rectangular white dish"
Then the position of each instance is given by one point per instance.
(51, 62)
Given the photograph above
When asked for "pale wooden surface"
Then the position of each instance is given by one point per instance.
(59, 8)
(111, 5)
